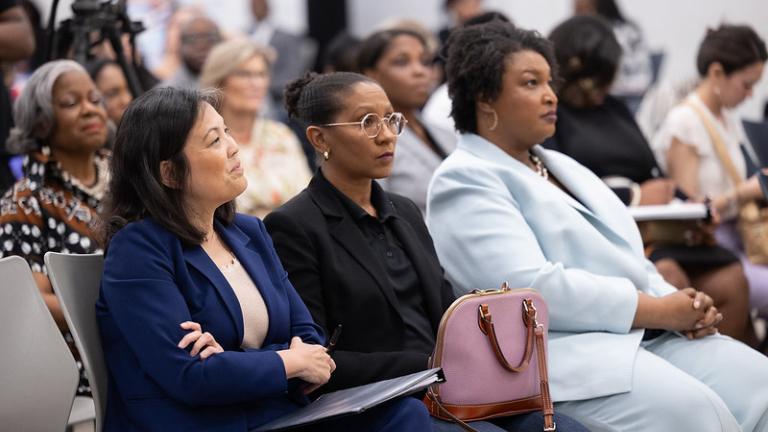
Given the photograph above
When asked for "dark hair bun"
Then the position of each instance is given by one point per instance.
(293, 92)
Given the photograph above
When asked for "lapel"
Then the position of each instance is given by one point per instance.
(197, 258)
(249, 258)
(588, 199)
(345, 231)
(587, 196)
(253, 257)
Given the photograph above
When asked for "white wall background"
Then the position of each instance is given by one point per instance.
(674, 26)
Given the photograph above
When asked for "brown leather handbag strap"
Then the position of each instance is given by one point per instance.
(485, 321)
(535, 337)
(436, 402)
(541, 358)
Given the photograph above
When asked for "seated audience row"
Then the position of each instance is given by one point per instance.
(200, 325)
(598, 131)
(503, 208)
(357, 255)
(61, 129)
(703, 129)
(200, 320)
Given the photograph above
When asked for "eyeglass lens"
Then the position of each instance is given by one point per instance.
(372, 124)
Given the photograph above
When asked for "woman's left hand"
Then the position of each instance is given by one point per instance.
(204, 343)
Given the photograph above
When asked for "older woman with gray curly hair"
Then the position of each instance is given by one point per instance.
(61, 128)
(276, 167)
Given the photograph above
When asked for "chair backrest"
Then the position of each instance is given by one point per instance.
(38, 375)
(76, 280)
(757, 132)
(657, 60)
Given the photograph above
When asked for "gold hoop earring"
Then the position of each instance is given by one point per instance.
(326, 154)
(495, 121)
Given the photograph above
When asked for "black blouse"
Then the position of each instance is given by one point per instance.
(605, 139)
(399, 269)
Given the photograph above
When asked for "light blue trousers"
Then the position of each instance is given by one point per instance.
(712, 384)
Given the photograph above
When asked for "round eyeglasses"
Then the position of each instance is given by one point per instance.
(371, 124)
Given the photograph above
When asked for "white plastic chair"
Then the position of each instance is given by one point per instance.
(38, 375)
(76, 280)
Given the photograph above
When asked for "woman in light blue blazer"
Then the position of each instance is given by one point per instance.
(201, 328)
(627, 351)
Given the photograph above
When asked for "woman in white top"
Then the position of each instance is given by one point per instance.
(730, 61)
(277, 169)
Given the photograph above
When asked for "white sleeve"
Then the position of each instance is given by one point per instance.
(683, 124)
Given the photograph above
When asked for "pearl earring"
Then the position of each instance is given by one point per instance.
(326, 154)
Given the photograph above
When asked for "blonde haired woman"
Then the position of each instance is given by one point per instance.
(276, 167)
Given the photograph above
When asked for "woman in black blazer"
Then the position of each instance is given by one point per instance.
(359, 256)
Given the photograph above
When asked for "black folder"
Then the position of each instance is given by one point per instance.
(355, 400)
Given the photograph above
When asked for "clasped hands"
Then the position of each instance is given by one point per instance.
(691, 312)
(308, 362)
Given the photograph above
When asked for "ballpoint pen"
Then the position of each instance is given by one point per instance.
(333, 340)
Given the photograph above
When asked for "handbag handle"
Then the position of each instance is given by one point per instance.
(485, 321)
(534, 336)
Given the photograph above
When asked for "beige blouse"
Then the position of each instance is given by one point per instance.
(255, 316)
(275, 167)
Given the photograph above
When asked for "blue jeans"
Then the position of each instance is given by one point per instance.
(401, 415)
(531, 422)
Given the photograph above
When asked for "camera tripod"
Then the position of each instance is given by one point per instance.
(92, 23)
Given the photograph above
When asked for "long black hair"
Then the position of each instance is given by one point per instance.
(154, 129)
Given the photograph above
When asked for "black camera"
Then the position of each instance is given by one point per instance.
(93, 23)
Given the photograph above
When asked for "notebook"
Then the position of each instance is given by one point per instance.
(355, 400)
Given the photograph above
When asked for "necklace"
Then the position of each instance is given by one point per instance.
(216, 238)
(538, 165)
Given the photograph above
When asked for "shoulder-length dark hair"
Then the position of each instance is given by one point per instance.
(154, 129)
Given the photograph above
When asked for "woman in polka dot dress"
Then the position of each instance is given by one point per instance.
(61, 127)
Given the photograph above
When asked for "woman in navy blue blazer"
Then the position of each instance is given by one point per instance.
(200, 326)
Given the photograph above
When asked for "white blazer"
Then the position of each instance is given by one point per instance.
(493, 219)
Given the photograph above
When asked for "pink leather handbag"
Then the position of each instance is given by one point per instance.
(487, 345)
